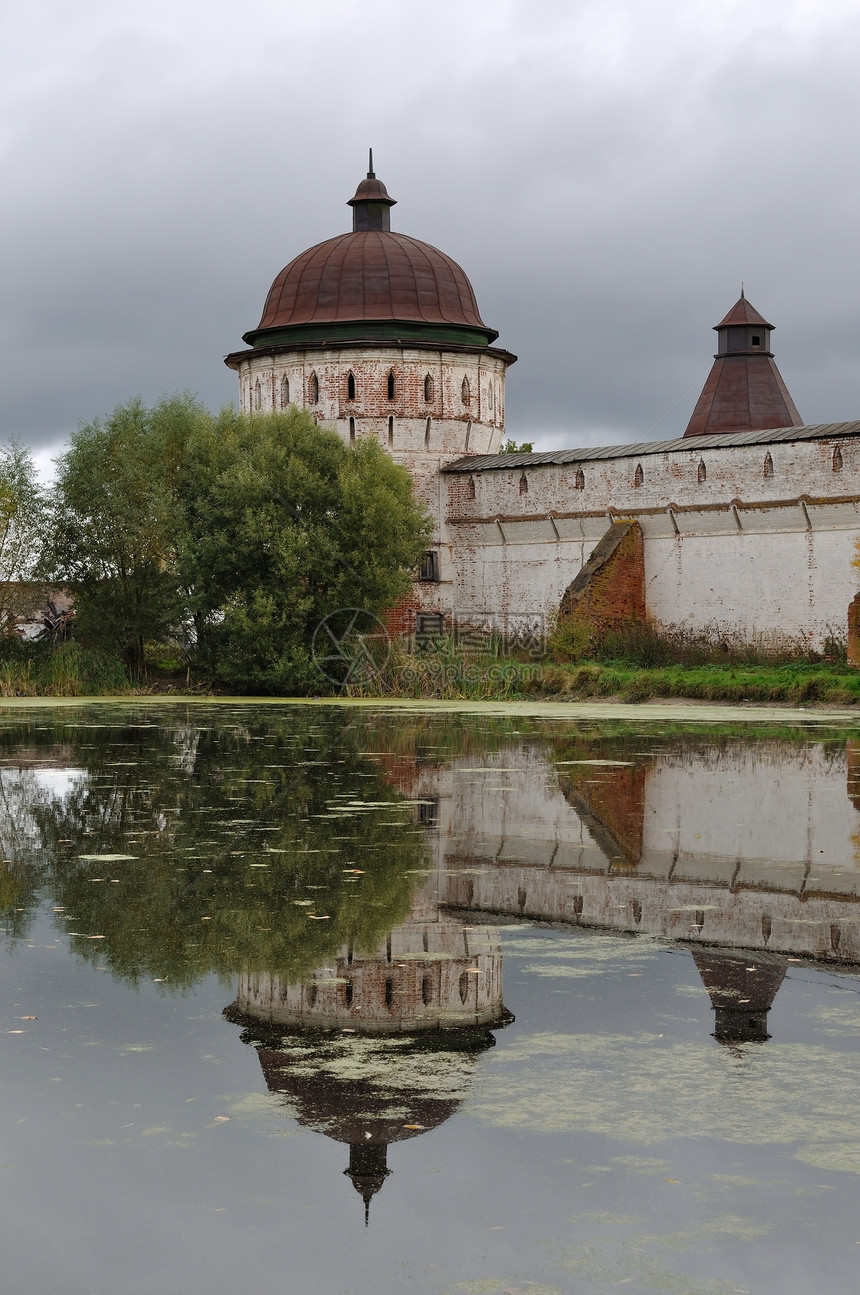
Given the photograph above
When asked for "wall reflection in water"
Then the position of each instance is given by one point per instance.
(740, 843)
(177, 850)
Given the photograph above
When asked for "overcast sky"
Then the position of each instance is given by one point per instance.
(606, 173)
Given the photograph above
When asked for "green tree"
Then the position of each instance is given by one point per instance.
(22, 519)
(116, 515)
(284, 524)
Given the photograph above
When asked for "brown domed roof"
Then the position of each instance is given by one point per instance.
(371, 275)
(371, 284)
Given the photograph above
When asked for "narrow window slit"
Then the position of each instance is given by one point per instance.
(464, 986)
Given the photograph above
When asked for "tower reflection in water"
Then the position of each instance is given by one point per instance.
(741, 987)
(380, 1047)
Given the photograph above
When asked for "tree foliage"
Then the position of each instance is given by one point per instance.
(284, 525)
(237, 534)
(116, 516)
(22, 519)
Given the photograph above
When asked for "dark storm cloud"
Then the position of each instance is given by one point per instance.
(606, 173)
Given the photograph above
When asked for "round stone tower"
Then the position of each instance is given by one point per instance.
(380, 335)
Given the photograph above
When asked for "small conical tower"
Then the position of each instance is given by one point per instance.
(744, 391)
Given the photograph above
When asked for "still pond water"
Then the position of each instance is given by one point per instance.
(363, 1002)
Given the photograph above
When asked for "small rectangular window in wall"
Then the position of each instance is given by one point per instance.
(428, 812)
(429, 566)
(429, 625)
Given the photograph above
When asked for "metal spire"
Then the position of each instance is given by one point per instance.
(370, 172)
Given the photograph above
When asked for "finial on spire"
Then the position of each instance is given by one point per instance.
(371, 175)
(742, 287)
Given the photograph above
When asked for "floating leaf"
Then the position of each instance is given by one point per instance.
(106, 858)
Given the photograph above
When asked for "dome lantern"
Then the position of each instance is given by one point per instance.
(371, 205)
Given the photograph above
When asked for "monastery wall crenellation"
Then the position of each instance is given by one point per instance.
(732, 474)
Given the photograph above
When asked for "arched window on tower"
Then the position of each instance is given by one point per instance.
(524, 484)
(579, 480)
(285, 391)
(313, 389)
(428, 388)
(391, 386)
(258, 395)
(701, 472)
(837, 460)
(466, 392)
(471, 489)
(350, 387)
(352, 429)
(427, 434)
(468, 434)
(768, 465)
(638, 476)
(390, 433)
